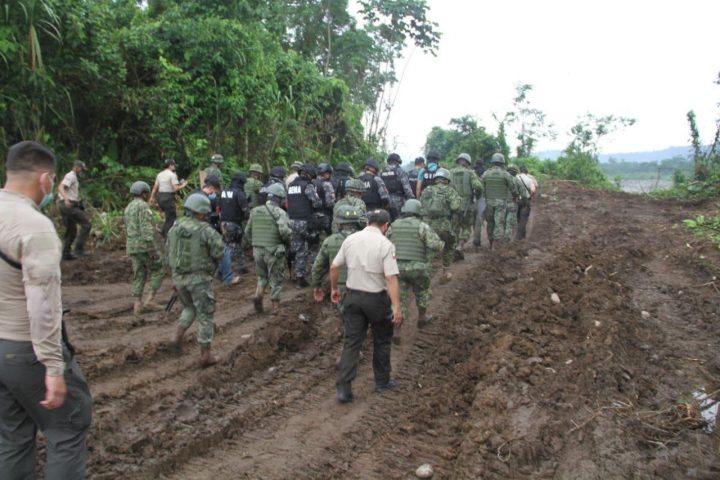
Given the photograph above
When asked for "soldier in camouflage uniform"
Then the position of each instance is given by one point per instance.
(268, 230)
(216, 162)
(142, 249)
(469, 187)
(326, 191)
(499, 188)
(233, 213)
(354, 189)
(440, 203)
(303, 203)
(347, 218)
(398, 184)
(342, 173)
(415, 245)
(194, 251)
(253, 185)
(511, 212)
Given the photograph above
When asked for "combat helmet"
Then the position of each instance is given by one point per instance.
(309, 169)
(355, 185)
(464, 157)
(139, 188)
(295, 166)
(372, 163)
(394, 158)
(198, 203)
(324, 168)
(513, 169)
(433, 156)
(412, 207)
(278, 172)
(217, 158)
(276, 190)
(498, 159)
(443, 173)
(255, 168)
(344, 167)
(347, 214)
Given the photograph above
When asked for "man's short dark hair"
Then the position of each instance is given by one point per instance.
(378, 217)
(212, 181)
(523, 169)
(29, 156)
(419, 161)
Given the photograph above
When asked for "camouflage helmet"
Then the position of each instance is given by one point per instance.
(465, 157)
(347, 214)
(295, 166)
(139, 188)
(443, 173)
(355, 185)
(276, 190)
(217, 158)
(498, 158)
(255, 168)
(198, 203)
(324, 168)
(412, 207)
(513, 169)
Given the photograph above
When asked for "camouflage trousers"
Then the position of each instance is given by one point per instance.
(465, 220)
(444, 230)
(232, 236)
(302, 244)
(144, 265)
(414, 277)
(270, 269)
(396, 204)
(198, 300)
(511, 217)
(479, 219)
(495, 216)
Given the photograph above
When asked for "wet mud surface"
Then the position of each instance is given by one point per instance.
(506, 382)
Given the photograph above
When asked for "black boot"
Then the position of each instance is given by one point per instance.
(301, 283)
(344, 393)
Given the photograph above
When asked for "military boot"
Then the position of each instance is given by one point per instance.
(258, 300)
(177, 338)
(137, 307)
(344, 393)
(150, 303)
(423, 318)
(206, 358)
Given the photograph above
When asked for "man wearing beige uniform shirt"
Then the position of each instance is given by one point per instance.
(73, 212)
(164, 190)
(372, 299)
(41, 386)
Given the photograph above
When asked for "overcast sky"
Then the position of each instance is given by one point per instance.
(649, 60)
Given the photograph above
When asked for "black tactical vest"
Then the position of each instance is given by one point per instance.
(392, 182)
(428, 176)
(299, 206)
(371, 197)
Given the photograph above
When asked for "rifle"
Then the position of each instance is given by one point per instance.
(171, 302)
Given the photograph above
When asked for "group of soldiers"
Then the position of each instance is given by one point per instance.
(299, 222)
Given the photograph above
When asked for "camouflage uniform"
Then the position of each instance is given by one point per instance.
(397, 183)
(213, 171)
(252, 191)
(268, 230)
(141, 248)
(194, 251)
(415, 242)
(349, 200)
(327, 195)
(499, 187)
(469, 187)
(511, 210)
(321, 266)
(304, 234)
(440, 202)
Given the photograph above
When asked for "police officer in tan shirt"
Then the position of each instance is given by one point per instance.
(73, 212)
(41, 386)
(372, 299)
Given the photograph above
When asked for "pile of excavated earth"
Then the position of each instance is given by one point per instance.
(589, 351)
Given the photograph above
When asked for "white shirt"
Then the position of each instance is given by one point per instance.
(529, 182)
(167, 180)
(70, 181)
(370, 257)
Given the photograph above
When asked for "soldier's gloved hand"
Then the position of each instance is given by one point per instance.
(319, 294)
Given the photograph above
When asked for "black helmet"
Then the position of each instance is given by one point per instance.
(324, 168)
(344, 167)
(238, 178)
(394, 158)
(309, 169)
(372, 163)
(433, 155)
(278, 172)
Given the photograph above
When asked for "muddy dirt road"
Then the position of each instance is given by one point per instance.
(505, 383)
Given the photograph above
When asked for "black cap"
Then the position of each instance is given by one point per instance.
(379, 217)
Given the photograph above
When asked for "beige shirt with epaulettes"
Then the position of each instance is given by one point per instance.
(370, 258)
(30, 298)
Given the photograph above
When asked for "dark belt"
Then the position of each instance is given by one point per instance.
(382, 292)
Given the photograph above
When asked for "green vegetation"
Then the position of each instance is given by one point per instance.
(705, 226)
(124, 84)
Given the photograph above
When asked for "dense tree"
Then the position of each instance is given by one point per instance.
(464, 136)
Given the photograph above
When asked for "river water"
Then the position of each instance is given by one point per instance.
(644, 186)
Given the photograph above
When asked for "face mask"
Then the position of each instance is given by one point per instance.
(47, 199)
(212, 196)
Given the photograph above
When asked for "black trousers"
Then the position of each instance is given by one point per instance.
(166, 202)
(523, 215)
(360, 311)
(22, 387)
(72, 217)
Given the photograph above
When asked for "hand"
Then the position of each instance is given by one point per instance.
(335, 296)
(318, 294)
(66, 203)
(55, 392)
(152, 201)
(397, 316)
